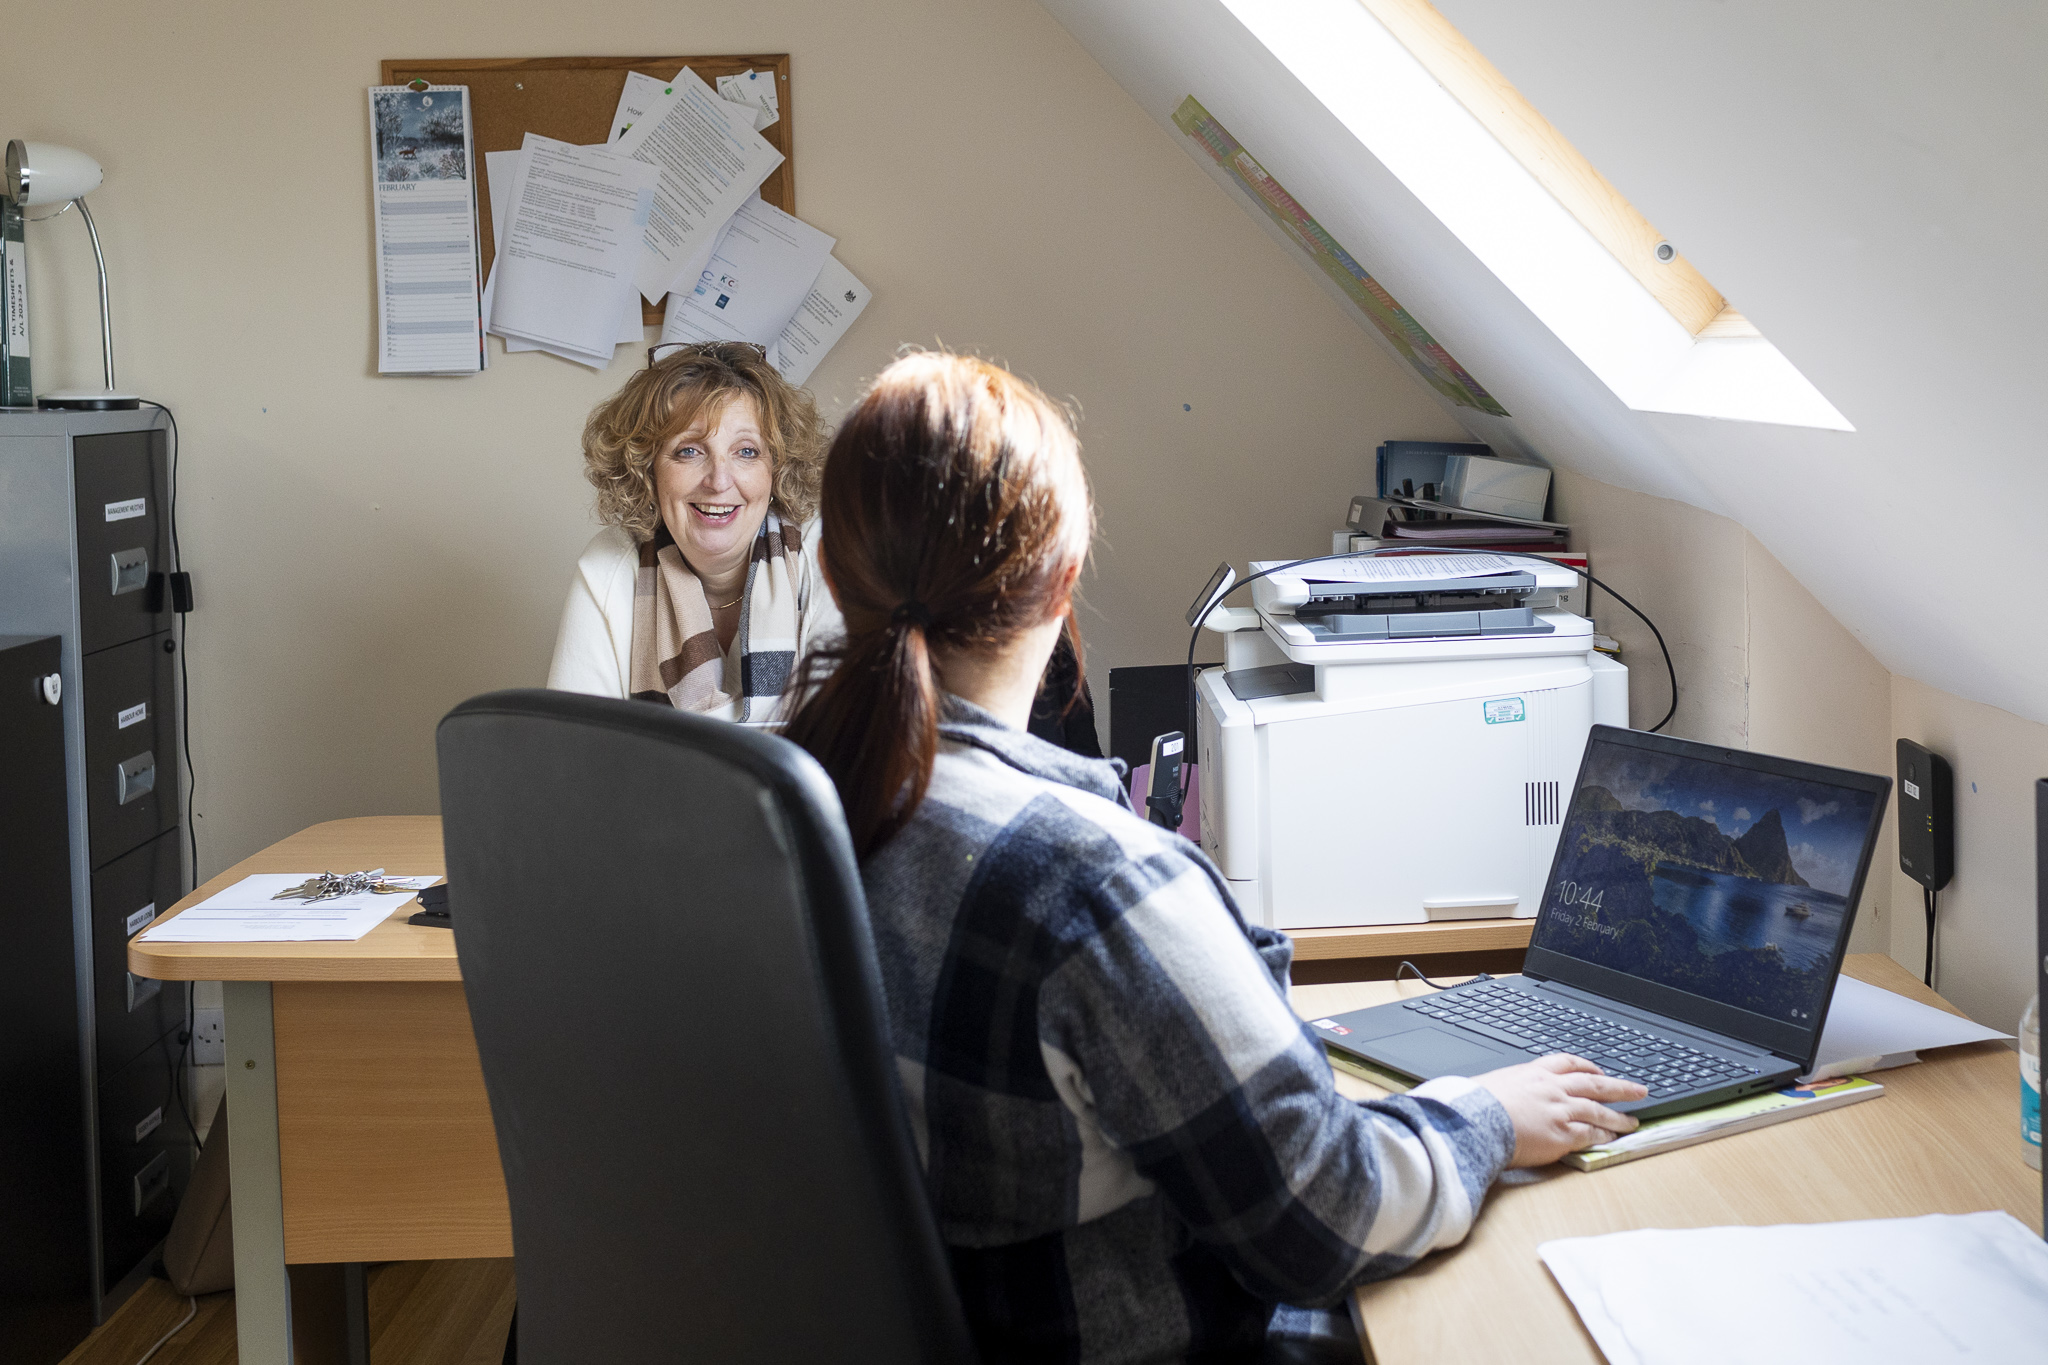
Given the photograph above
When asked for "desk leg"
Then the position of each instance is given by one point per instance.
(263, 1296)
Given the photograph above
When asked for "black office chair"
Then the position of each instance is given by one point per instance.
(667, 958)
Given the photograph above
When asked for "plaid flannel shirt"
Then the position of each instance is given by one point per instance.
(1133, 1146)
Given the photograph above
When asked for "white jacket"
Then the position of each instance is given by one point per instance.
(594, 647)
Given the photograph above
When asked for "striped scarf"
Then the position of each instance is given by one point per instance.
(676, 658)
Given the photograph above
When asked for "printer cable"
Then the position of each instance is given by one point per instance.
(1187, 772)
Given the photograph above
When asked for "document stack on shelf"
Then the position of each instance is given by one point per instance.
(1402, 522)
(1423, 522)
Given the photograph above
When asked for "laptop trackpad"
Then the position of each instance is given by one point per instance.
(1430, 1053)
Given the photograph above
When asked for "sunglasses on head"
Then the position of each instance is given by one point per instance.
(729, 351)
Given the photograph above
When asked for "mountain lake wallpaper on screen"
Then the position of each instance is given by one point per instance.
(1708, 878)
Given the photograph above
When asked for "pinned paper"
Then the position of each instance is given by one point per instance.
(755, 89)
(565, 266)
(765, 263)
(710, 161)
(835, 300)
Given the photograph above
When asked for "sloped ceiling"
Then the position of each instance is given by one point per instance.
(1862, 178)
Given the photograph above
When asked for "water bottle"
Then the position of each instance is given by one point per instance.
(2030, 1083)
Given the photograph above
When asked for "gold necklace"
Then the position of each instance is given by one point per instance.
(735, 602)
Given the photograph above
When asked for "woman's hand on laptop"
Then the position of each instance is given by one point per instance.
(1557, 1106)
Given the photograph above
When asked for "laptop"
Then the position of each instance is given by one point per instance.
(1698, 907)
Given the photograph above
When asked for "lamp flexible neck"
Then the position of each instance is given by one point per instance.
(106, 314)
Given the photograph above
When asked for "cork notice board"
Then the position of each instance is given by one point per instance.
(572, 99)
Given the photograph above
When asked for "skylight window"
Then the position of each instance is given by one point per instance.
(1445, 122)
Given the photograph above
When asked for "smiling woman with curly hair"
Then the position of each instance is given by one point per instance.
(703, 588)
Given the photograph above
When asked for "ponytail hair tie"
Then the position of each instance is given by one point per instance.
(912, 613)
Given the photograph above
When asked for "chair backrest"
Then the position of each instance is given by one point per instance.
(669, 966)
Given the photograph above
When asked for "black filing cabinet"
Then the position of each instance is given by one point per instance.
(46, 1290)
(85, 558)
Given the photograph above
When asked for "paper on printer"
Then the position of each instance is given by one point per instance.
(1410, 596)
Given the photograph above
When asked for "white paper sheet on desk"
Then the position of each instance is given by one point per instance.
(765, 263)
(710, 161)
(835, 300)
(248, 913)
(565, 265)
(1869, 1028)
(500, 169)
(1895, 1291)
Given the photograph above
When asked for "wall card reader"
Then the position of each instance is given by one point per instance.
(1927, 816)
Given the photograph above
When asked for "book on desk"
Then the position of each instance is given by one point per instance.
(1673, 1131)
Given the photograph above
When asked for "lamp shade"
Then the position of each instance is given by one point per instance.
(44, 173)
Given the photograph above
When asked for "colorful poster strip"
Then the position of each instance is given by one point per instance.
(1437, 366)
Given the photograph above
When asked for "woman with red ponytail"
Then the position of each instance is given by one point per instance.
(1133, 1147)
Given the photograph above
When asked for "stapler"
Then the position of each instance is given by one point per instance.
(434, 911)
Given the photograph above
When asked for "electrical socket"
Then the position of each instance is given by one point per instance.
(209, 1038)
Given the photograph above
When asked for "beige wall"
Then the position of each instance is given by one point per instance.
(369, 551)
(1761, 665)
(1984, 931)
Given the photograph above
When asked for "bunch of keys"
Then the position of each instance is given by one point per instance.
(328, 885)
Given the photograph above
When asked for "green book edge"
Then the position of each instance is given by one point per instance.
(1682, 1130)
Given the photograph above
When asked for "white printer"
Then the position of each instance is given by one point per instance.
(1391, 739)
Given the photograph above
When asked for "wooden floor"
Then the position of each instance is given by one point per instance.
(421, 1313)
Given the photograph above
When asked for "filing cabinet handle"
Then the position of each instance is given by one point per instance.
(131, 570)
(136, 777)
(152, 1181)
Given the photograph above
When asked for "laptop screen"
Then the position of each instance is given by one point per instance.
(1730, 877)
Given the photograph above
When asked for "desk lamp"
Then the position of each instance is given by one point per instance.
(41, 173)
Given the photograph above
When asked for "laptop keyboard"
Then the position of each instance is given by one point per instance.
(1539, 1027)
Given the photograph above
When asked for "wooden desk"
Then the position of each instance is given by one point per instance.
(1373, 952)
(1944, 1138)
(362, 1132)
(361, 1128)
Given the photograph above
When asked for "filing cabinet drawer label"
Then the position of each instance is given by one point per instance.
(151, 1121)
(124, 511)
(134, 715)
(139, 921)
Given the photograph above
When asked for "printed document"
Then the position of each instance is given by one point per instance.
(642, 92)
(710, 161)
(1893, 1291)
(246, 913)
(826, 312)
(423, 187)
(764, 265)
(500, 169)
(755, 89)
(1374, 569)
(565, 265)
(640, 95)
